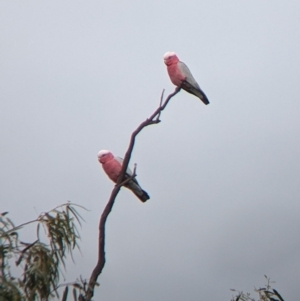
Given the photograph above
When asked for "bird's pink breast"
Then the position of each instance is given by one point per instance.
(175, 75)
(112, 169)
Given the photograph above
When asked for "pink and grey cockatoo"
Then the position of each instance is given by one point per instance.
(112, 166)
(180, 74)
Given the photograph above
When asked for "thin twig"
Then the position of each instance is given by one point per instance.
(161, 100)
(153, 119)
(128, 178)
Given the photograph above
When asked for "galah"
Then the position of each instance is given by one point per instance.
(112, 166)
(181, 75)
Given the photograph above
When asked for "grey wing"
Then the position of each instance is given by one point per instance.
(128, 170)
(133, 184)
(187, 73)
(190, 85)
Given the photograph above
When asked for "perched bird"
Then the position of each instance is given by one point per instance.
(112, 166)
(180, 74)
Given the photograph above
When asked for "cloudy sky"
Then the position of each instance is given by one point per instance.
(80, 76)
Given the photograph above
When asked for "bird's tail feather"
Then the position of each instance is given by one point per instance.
(197, 92)
(202, 96)
(142, 195)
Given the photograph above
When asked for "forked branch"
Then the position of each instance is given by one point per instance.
(153, 119)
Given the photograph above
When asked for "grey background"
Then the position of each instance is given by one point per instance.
(79, 76)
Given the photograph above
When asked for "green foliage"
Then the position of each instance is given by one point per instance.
(266, 293)
(38, 262)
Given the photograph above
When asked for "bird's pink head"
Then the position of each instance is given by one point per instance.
(104, 156)
(170, 58)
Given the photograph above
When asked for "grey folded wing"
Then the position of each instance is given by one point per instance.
(188, 75)
(190, 85)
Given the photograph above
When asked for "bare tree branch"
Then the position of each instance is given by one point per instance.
(153, 119)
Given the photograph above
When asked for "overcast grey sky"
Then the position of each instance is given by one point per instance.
(79, 76)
